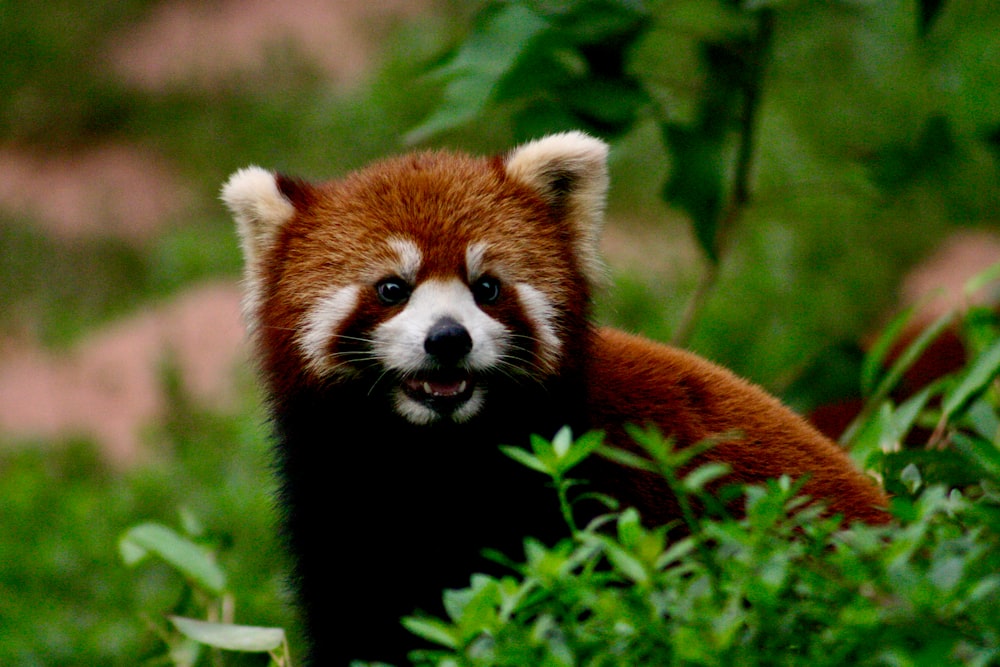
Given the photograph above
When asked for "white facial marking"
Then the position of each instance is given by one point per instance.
(400, 339)
(409, 257)
(474, 260)
(320, 325)
(541, 314)
(421, 415)
(399, 343)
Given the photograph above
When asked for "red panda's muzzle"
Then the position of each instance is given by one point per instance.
(431, 387)
(447, 343)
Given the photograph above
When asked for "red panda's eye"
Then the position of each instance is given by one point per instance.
(486, 290)
(392, 291)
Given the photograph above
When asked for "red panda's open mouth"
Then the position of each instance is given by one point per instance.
(440, 387)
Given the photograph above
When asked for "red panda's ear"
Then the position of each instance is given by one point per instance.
(569, 171)
(260, 206)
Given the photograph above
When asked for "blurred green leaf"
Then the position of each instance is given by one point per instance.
(910, 476)
(579, 450)
(909, 356)
(623, 560)
(432, 630)
(984, 420)
(696, 480)
(526, 459)
(981, 280)
(975, 380)
(231, 637)
(191, 560)
(983, 453)
(874, 362)
(480, 64)
(696, 185)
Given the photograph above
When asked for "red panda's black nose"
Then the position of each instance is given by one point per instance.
(448, 341)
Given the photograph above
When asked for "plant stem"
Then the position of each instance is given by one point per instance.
(693, 524)
(564, 504)
(739, 196)
(695, 304)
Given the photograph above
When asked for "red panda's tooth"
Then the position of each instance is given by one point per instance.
(461, 387)
(427, 388)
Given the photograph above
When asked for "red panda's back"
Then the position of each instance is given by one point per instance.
(631, 379)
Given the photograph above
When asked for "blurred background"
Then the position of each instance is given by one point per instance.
(125, 389)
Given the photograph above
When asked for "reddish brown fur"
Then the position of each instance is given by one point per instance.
(448, 201)
(692, 399)
(627, 379)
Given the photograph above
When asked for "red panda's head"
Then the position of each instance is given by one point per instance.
(429, 279)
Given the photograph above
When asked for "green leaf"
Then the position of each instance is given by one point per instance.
(910, 355)
(676, 552)
(889, 381)
(981, 280)
(479, 609)
(490, 53)
(562, 441)
(190, 559)
(982, 371)
(629, 527)
(627, 458)
(984, 420)
(979, 451)
(910, 476)
(908, 411)
(697, 479)
(455, 601)
(131, 552)
(584, 446)
(623, 561)
(871, 368)
(247, 638)
(526, 459)
(872, 435)
(432, 630)
(697, 182)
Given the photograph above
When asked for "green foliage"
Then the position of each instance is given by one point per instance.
(793, 137)
(54, 87)
(67, 599)
(774, 588)
(557, 65)
(185, 556)
(206, 585)
(948, 428)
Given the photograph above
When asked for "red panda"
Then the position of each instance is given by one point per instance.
(412, 316)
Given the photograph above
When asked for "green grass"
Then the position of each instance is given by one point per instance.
(68, 598)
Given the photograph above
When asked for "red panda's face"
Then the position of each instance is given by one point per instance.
(434, 342)
(427, 280)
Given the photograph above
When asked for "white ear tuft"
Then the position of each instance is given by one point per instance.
(260, 210)
(569, 170)
(258, 206)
